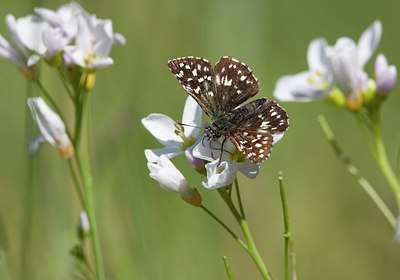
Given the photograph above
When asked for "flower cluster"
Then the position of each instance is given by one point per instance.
(66, 37)
(73, 42)
(220, 164)
(337, 72)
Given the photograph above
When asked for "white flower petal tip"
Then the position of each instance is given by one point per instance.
(368, 42)
(51, 126)
(175, 137)
(303, 87)
(386, 75)
(171, 179)
(220, 174)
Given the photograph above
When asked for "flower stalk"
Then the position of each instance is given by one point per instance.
(290, 255)
(242, 222)
(353, 170)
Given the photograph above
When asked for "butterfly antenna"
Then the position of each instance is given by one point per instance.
(189, 125)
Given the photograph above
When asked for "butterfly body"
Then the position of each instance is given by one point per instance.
(220, 91)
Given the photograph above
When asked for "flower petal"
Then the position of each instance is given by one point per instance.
(162, 128)
(152, 155)
(206, 149)
(303, 87)
(368, 42)
(316, 57)
(192, 114)
(30, 30)
(220, 174)
(343, 60)
(249, 169)
(166, 174)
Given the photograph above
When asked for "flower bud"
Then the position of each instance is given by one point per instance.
(83, 226)
(51, 127)
(171, 179)
(336, 97)
(385, 74)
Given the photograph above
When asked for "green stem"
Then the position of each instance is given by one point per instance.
(353, 170)
(219, 221)
(251, 246)
(90, 210)
(29, 195)
(228, 269)
(239, 199)
(383, 163)
(87, 182)
(77, 183)
(290, 259)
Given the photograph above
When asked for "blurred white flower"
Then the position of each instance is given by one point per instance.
(385, 74)
(224, 163)
(93, 42)
(347, 60)
(23, 34)
(175, 138)
(51, 127)
(308, 85)
(171, 179)
(340, 65)
(65, 18)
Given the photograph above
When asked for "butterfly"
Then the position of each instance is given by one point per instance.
(220, 91)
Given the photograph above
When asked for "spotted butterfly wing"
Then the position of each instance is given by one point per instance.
(262, 125)
(234, 82)
(217, 89)
(195, 74)
(220, 90)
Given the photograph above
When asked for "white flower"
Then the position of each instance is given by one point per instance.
(93, 42)
(51, 127)
(340, 65)
(171, 179)
(65, 19)
(347, 60)
(385, 74)
(23, 34)
(164, 129)
(225, 163)
(308, 85)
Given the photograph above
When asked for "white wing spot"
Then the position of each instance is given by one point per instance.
(197, 90)
(181, 64)
(187, 66)
(217, 80)
(242, 78)
(228, 83)
(194, 72)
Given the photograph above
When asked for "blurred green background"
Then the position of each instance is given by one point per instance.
(147, 233)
